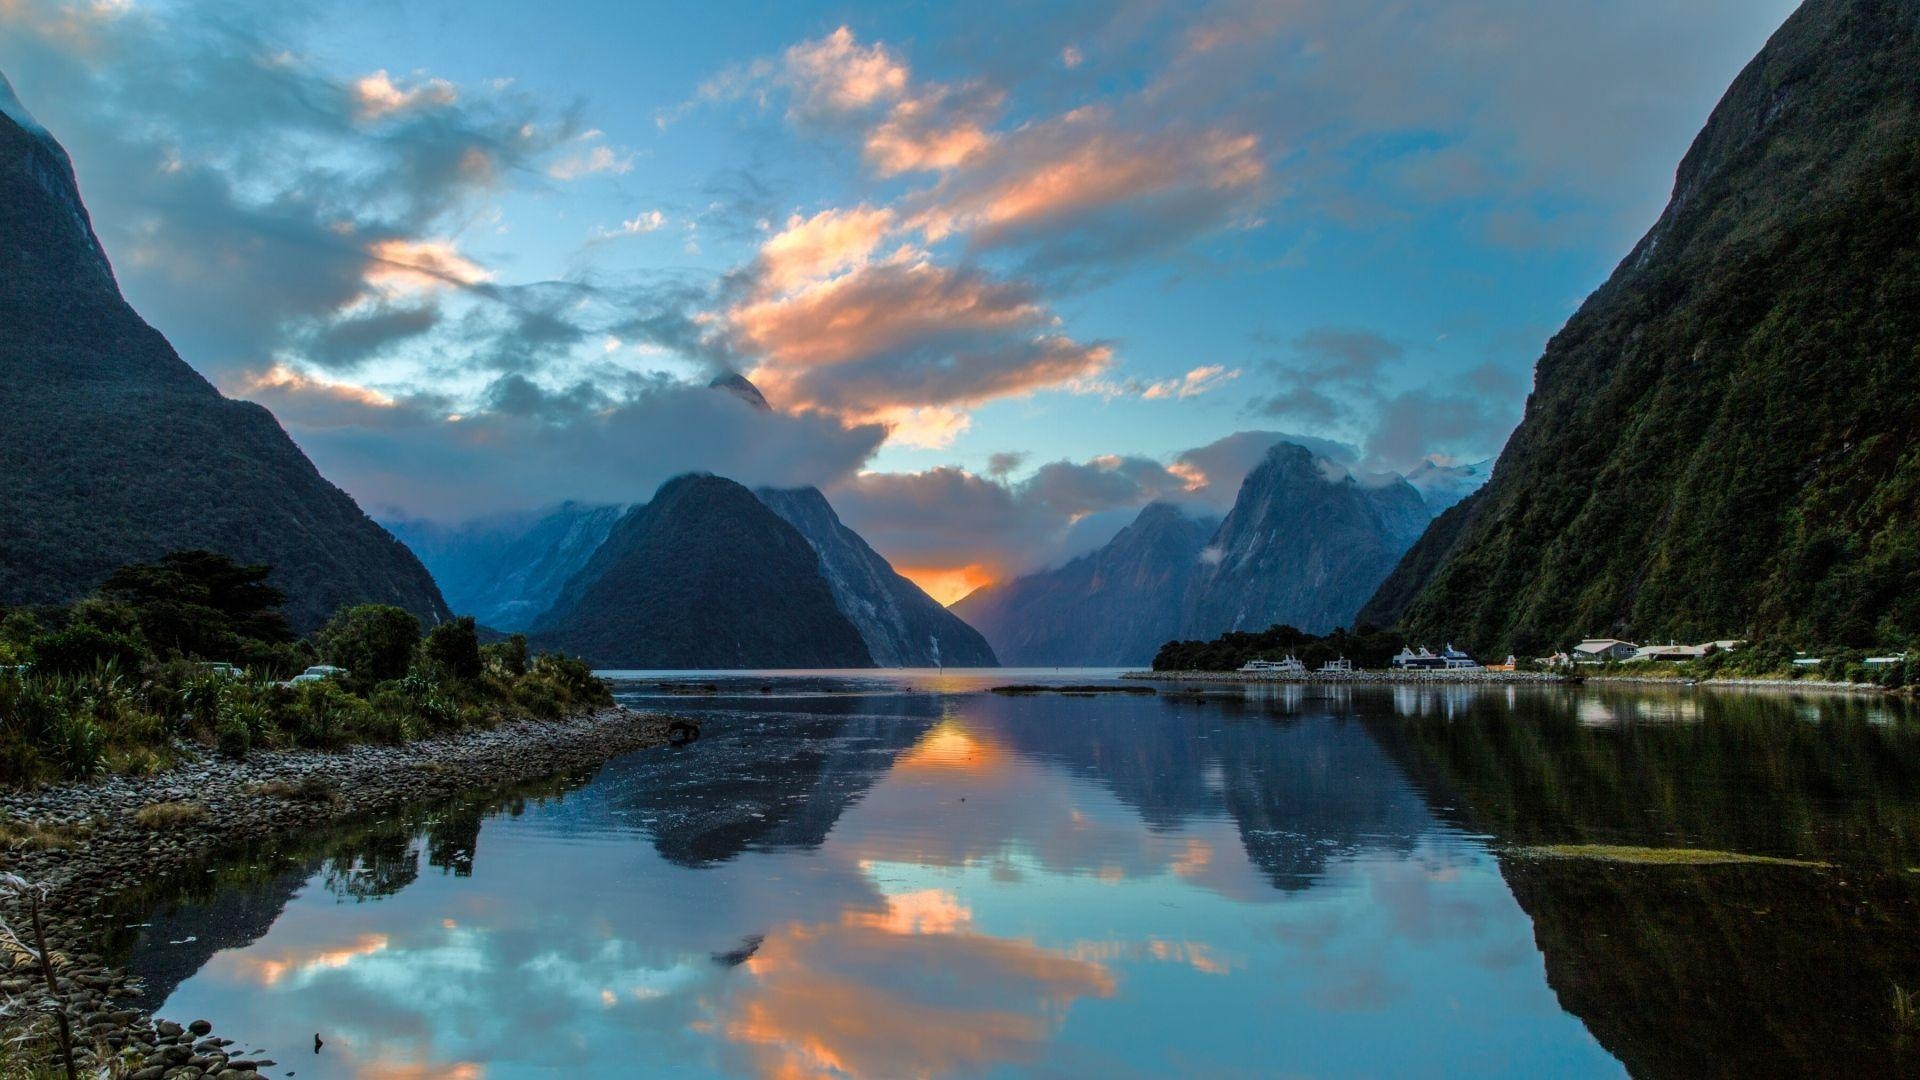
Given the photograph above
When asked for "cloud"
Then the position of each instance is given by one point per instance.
(836, 75)
(949, 520)
(247, 206)
(644, 222)
(377, 96)
(590, 156)
(609, 437)
(1419, 423)
(906, 333)
(812, 248)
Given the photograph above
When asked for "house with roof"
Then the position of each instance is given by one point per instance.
(1672, 653)
(1601, 650)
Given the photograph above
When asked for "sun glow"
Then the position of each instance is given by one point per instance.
(949, 584)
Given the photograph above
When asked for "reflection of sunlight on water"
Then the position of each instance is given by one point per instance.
(949, 747)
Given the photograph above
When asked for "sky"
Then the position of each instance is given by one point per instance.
(1004, 271)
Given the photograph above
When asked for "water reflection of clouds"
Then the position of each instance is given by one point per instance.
(998, 893)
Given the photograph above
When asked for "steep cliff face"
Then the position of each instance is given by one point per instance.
(1723, 439)
(506, 571)
(901, 625)
(1115, 606)
(1305, 544)
(703, 576)
(113, 450)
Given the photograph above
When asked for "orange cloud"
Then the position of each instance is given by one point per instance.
(1077, 165)
(919, 135)
(283, 381)
(401, 265)
(838, 74)
(824, 244)
(859, 999)
(929, 911)
(270, 970)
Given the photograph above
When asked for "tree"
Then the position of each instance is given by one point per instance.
(374, 642)
(200, 604)
(452, 649)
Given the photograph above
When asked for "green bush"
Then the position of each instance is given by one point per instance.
(452, 650)
(374, 642)
(233, 740)
(83, 647)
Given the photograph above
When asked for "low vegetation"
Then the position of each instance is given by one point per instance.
(169, 815)
(192, 650)
(1365, 646)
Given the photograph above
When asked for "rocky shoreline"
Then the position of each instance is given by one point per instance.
(89, 843)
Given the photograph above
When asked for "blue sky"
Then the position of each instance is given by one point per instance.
(1001, 269)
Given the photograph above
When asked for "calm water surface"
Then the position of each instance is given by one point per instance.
(901, 874)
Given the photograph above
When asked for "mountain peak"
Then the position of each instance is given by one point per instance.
(741, 387)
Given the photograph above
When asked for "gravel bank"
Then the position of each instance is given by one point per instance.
(218, 804)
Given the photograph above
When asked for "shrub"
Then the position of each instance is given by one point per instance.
(374, 642)
(324, 714)
(452, 650)
(507, 658)
(83, 647)
(233, 741)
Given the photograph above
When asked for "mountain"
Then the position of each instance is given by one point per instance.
(703, 576)
(902, 626)
(1725, 439)
(1305, 544)
(113, 450)
(1114, 606)
(741, 387)
(507, 570)
(1443, 486)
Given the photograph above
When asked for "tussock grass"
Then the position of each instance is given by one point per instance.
(169, 815)
(18, 835)
(314, 789)
(1649, 856)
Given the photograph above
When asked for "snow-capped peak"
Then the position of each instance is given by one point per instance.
(10, 106)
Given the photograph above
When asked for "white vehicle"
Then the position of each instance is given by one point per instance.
(320, 673)
(224, 670)
(1283, 668)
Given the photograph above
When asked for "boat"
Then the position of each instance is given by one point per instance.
(1287, 668)
(1342, 666)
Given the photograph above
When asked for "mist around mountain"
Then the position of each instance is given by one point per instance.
(506, 571)
(1722, 440)
(113, 450)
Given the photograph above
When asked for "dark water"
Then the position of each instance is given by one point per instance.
(901, 875)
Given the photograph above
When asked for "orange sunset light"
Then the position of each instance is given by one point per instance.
(948, 584)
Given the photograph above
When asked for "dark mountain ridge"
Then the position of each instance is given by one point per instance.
(901, 625)
(703, 576)
(113, 450)
(1725, 439)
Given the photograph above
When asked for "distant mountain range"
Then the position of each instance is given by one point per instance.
(1724, 441)
(1306, 543)
(506, 571)
(114, 450)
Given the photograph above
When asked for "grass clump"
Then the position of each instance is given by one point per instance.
(1650, 856)
(311, 789)
(169, 815)
(17, 835)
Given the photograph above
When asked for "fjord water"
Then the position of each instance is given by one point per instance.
(900, 874)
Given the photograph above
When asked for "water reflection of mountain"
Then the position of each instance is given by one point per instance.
(768, 780)
(1729, 970)
(1303, 783)
(1692, 970)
